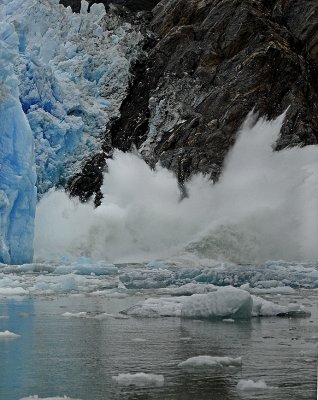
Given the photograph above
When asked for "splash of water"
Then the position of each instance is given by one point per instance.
(263, 207)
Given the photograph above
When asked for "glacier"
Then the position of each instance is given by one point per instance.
(73, 72)
(17, 173)
(63, 76)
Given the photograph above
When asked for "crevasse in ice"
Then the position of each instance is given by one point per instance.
(73, 70)
(17, 173)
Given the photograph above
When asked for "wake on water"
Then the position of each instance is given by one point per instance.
(264, 206)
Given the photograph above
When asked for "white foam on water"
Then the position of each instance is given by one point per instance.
(263, 207)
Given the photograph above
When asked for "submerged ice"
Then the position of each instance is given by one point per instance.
(261, 208)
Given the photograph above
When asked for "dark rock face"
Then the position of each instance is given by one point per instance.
(212, 63)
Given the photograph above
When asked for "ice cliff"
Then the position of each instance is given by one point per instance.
(73, 72)
(63, 76)
(17, 174)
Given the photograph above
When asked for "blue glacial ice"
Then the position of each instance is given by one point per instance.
(73, 71)
(62, 77)
(17, 173)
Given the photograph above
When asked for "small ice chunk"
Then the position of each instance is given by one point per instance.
(8, 335)
(63, 284)
(209, 361)
(81, 314)
(105, 315)
(47, 398)
(121, 285)
(267, 289)
(15, 291)
(265, 308)
(139, 379)
(251, 386)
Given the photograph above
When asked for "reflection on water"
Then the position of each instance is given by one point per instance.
(78, 357)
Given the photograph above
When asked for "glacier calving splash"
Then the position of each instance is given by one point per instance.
(264, 207)
(73, 71)
(17, 173)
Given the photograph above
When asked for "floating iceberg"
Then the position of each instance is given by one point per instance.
(139, 379)
(251, 386)
(8, 335)
(211, 362)
(47, 398)
(226, 302)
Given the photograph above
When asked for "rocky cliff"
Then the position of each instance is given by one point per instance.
(205, 64)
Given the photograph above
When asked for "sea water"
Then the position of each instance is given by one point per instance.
(74, 344)
(76, 333)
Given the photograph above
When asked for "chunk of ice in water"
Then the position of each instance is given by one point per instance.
(251, 386)
(210, 361)
(8, 335)
(139, 379)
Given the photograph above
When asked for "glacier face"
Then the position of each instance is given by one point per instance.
(73, 71)
(62, 76)
(17, 173)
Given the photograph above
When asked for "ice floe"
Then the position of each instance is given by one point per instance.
(249, 385)
(224, 303)
(8, 335)
(139, 379)
(211, 361)
(36, 397)
(97, 316)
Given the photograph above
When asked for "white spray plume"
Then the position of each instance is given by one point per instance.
(265, 206)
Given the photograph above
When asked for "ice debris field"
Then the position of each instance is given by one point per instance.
(221, 291)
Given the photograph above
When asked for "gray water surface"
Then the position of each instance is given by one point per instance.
(77, 357)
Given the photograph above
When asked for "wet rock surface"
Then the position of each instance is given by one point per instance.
(204, 66)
